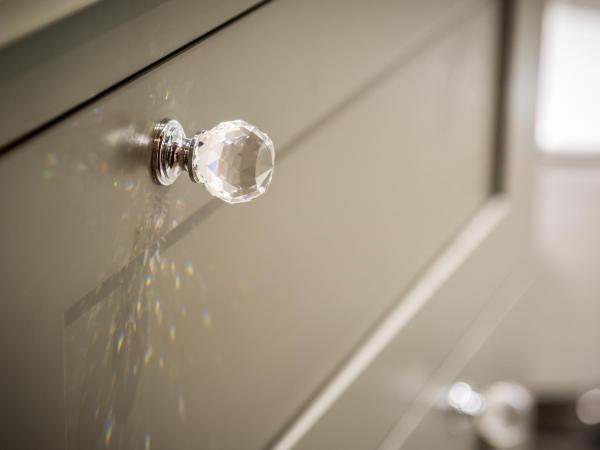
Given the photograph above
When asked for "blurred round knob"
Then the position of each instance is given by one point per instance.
(234, 160)
(501, 413)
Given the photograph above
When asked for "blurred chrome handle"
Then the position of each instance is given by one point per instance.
(500, 414)
(234, 160)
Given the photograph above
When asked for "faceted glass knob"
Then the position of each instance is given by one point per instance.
(234, 160)
(500, 414)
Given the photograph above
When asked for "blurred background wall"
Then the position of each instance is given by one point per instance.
(565, 321)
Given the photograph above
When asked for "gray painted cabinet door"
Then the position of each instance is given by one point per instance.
(144, 316)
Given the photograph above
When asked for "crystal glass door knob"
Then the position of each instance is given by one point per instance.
(234, 160)
(500, 414)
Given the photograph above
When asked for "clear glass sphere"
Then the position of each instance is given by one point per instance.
(234, 161)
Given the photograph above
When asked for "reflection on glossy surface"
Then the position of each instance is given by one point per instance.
(108, 349)
(127, 332)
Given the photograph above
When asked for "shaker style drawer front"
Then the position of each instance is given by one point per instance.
(161, 316)
(405, 368)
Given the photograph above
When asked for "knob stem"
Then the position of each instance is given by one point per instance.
(167, 152)
(171, 153)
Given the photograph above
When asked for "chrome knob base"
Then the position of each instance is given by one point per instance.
(170, 152)
(234, 160)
